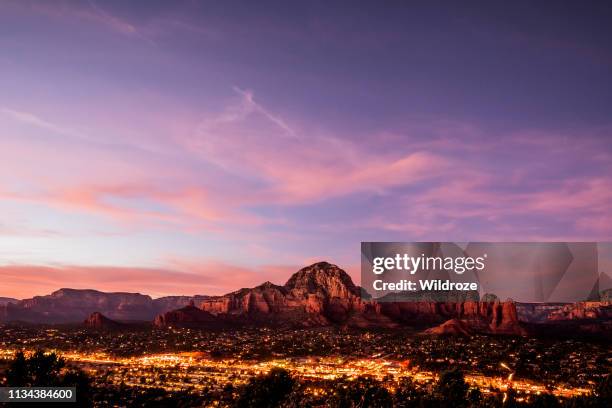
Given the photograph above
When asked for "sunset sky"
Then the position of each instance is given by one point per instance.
(200, 147)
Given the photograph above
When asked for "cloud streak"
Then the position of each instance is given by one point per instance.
(247, 139)
(33, 120)
(433, 184)
(204, 278)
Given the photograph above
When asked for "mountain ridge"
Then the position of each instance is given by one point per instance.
(67, 305)
(6, 300)
(321, 294)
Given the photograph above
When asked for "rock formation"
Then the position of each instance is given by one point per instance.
(323, 294)
(319, 294)
(583, 310)
(188, 316)
(536, 312)
(100, 322)
(478, 317)
(452, 327)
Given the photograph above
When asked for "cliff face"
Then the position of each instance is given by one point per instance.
(505, 319)
(70, 304)
(167, 303)
(459, 318)
(75, 305)
(434, 311)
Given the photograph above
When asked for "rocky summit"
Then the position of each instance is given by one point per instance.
(100, 322)
(319, 294)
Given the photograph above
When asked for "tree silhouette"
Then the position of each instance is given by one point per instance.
(266, 391)
(474, 397)
(17, 373)
(545, 401)
(451, 388)
(363, 392)
(407, 395)
(47, 370)
(40, 370)
(604, 388)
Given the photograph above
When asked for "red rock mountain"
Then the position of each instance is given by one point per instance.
(98, 321)
(188, 316)
(324, 294)
(452, 327)
(319, 294)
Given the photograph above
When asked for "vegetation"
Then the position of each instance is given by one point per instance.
(47, 370)
(279, 388)
(266, 391)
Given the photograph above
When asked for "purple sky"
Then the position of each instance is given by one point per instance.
(187, 147)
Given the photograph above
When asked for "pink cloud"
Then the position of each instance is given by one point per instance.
(592, 195)
(246, 158)
(190, 208)
(88, 12)
(180, 277)
(246, 138)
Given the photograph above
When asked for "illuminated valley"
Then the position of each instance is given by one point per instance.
(208, 362)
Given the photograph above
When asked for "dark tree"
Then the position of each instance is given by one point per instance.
(407, 395)
(491, 401)
(582, 401)
(40, 370)
(452, 389)
(474, 397)
(363, 392)
(603, 391)
(266, 391)
(545, 401)
(48, 370)
(17, 372)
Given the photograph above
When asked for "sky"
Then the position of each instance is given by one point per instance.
(199, 147)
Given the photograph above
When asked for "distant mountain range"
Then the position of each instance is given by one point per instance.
(321, 294)
(5, 300)
(75, 305)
